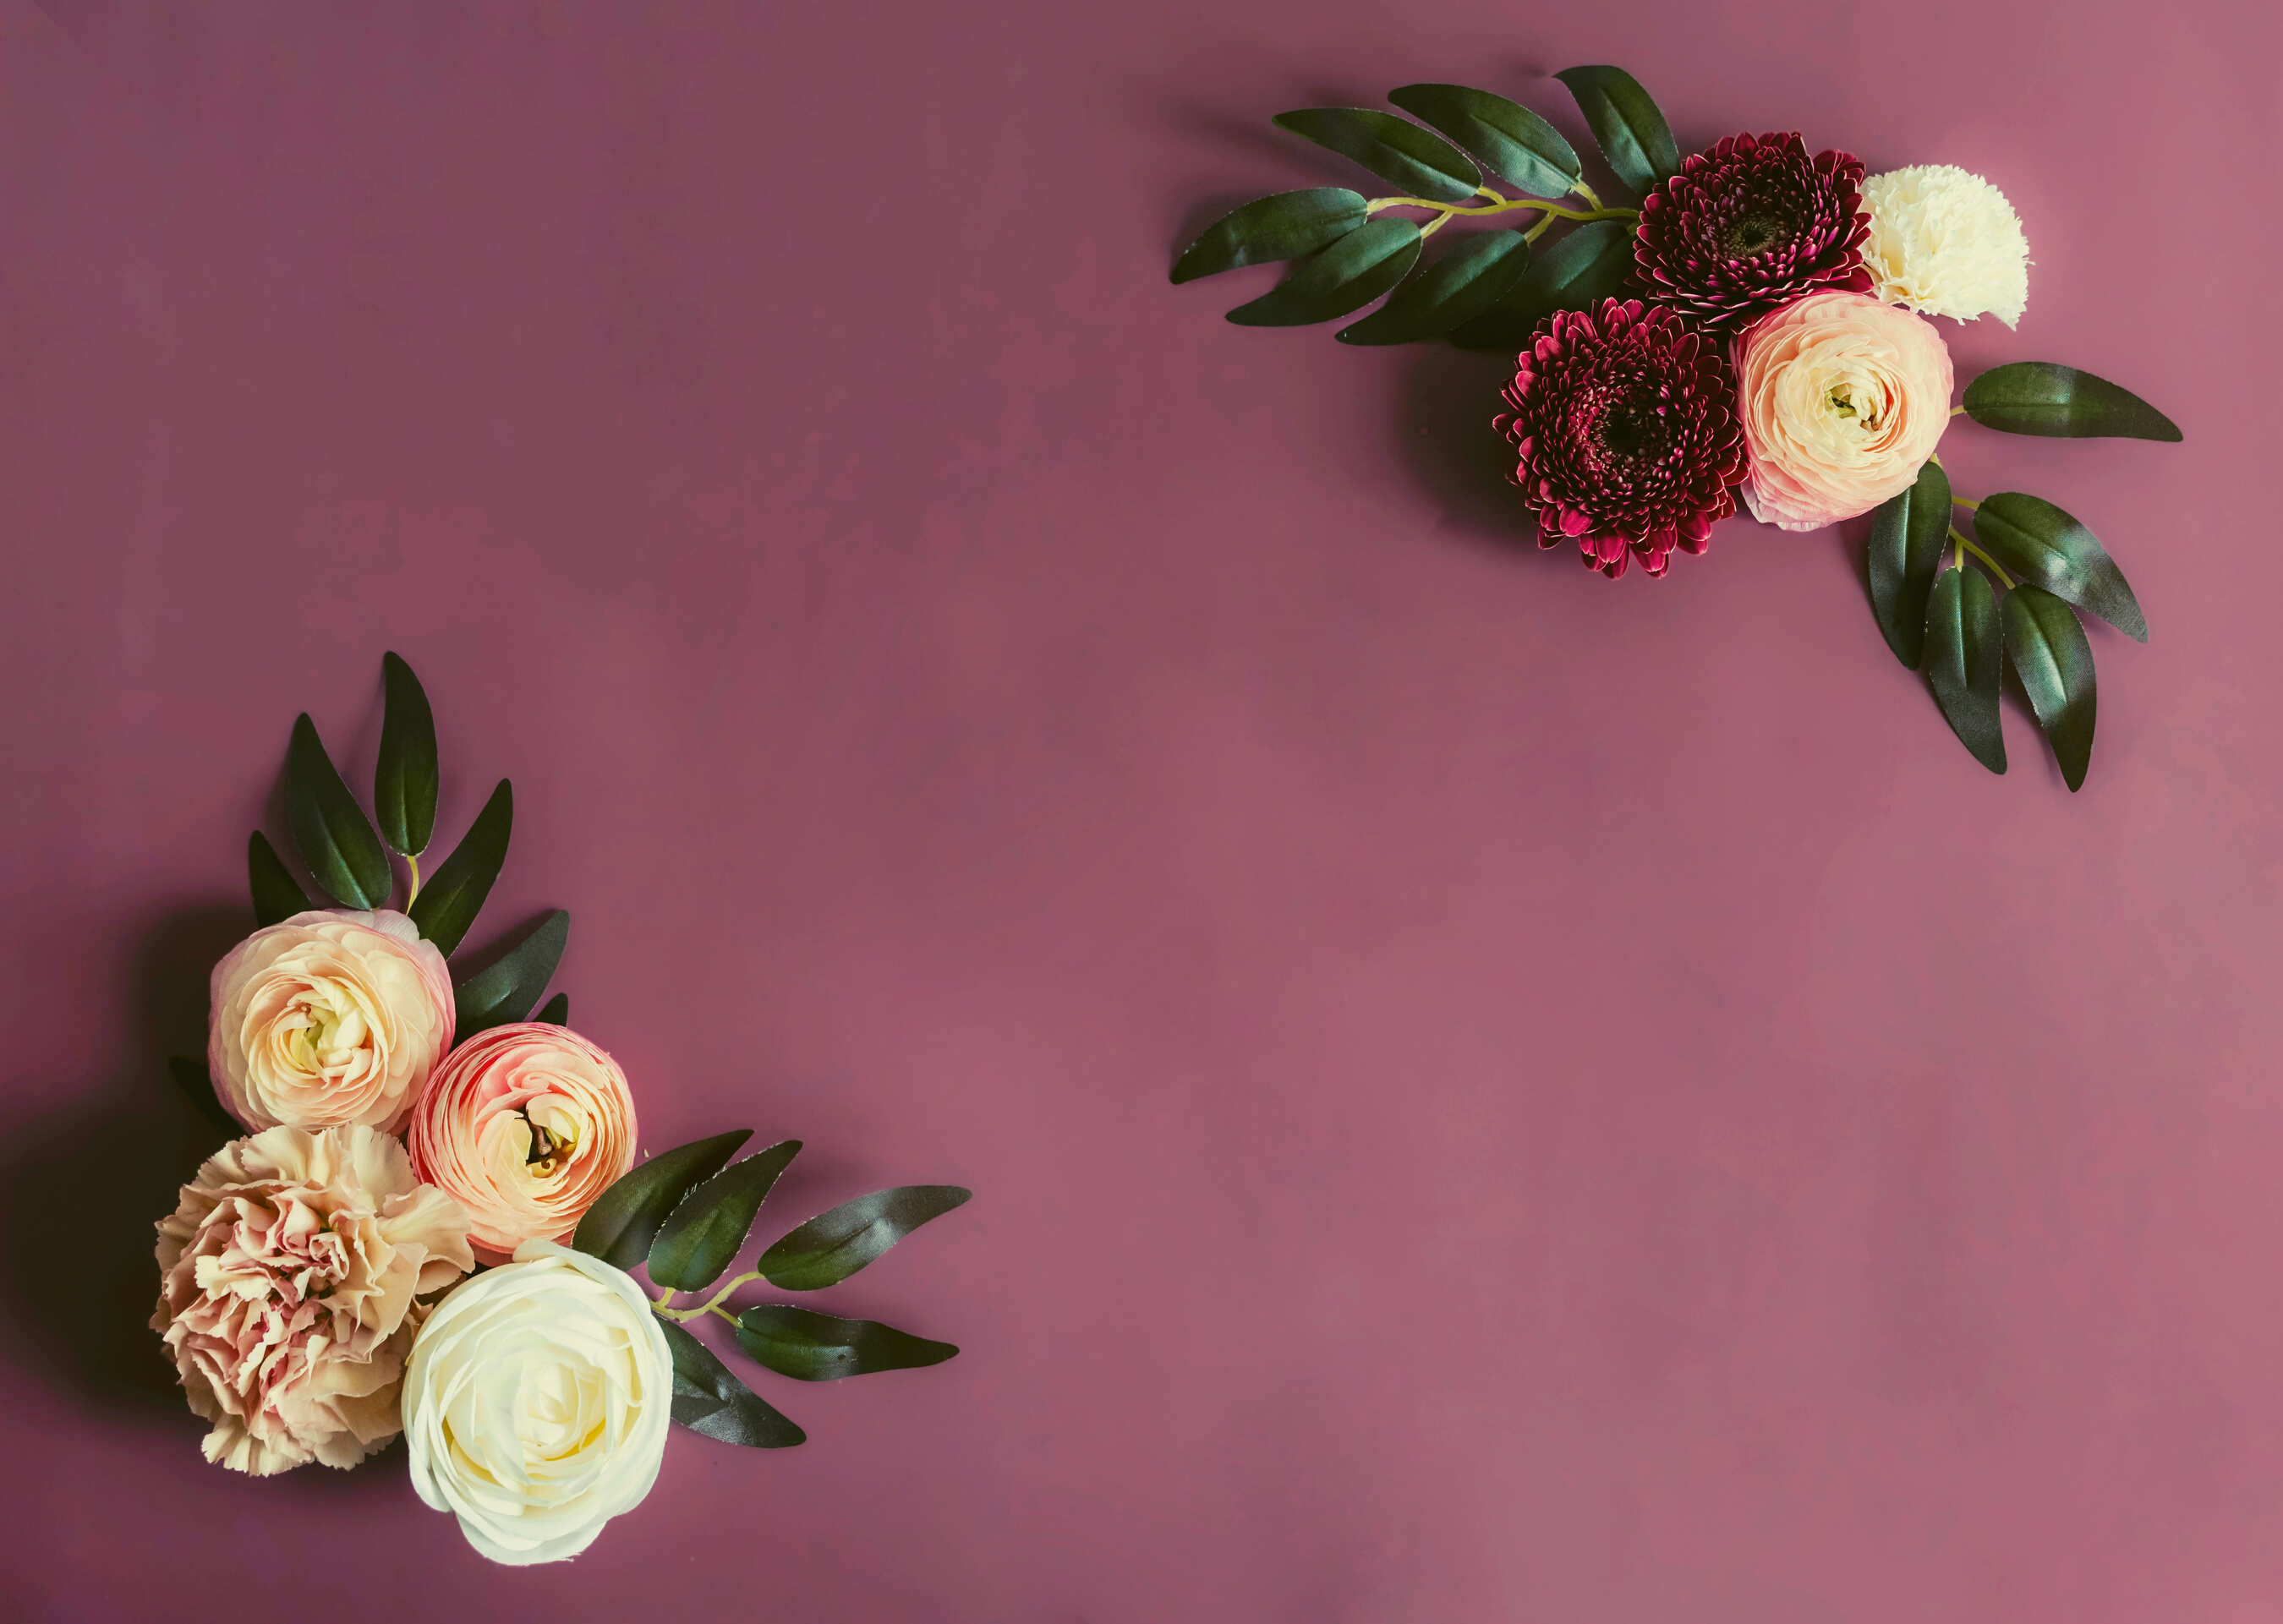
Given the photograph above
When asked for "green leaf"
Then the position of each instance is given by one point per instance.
(812, 1346)
(2049, 649)
(338, 846)
(1284, 227)
(1632, 133)
(505, 993)
(1907, 536)
(620, 1225)
(1577, 272)
(556, 1011)
(1419, 162)
(2032, 537)
(454, 894)
(192, 1078)
(709, 1399)
(706, 1232)
(404, 779)
(1333, 281)
(834, 1245)
(277, 894)
(1476, 274)
(2043, 397)
(1518, 146)
(1962, 645)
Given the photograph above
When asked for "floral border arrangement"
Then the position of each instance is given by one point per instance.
(385, 1252)
(1760, 326)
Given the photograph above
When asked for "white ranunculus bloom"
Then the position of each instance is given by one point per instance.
(1946, 243)
(536, 1403)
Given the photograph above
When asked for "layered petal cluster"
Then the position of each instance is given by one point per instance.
(536, 1405)
(1946, 241)
(526, 1126)
(1842, 399)
(1750, 225)
(1625, 426)
(289, 1279)
(327, 1018)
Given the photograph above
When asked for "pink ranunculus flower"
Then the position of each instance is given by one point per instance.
(525, 1126)
(1842, 399)
(327, 1018)
(290, 1274)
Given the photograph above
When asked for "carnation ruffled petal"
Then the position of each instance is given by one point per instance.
(1946, 241)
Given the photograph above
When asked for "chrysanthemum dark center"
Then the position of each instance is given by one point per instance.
(1753, 234)
(1631, 430)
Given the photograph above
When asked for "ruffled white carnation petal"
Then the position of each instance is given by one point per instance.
(1947, 243)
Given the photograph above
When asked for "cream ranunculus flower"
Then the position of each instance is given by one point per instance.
(1946, 241)
(1841, 399)
(536, 1403)
(329, 1018)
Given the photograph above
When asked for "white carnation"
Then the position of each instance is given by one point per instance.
(1947, 243)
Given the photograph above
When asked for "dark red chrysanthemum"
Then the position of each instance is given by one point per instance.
(1752, 224)
(1625, 421)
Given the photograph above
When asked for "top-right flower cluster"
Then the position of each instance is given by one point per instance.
(1758, 332)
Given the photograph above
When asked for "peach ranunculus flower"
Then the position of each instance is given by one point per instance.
(327, 1018)
(1842, 399)
(526, 1126)
(289, 1279)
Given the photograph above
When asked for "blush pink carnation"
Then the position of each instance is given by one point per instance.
(329, 1017)
(290, 1274)
(1842, 399)
(526, 1126)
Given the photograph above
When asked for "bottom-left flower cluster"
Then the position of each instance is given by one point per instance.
(325, 1284)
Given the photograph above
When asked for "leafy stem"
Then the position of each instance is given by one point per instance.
(412, 862)
(1500, 206)
(1991, 564)
(713, 1305)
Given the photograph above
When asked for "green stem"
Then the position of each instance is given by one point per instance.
(1958, 536)
(1586, 192)
(1967, 502)
(1503, 206)
(711, 1305)
(413, 896)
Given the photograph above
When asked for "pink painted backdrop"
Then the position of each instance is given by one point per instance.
(1492, 1094)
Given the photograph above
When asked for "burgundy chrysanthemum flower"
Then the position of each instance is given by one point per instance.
(1752, 224)
(1626, 421)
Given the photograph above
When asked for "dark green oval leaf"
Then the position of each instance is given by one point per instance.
(2032, 538)
(833, 1246)
(1625, 122)
(1476, 274)
(1962, 660)
(448, 903)
(1907, 536)
(2044, 398)
(1284, 227)
(709, 1399)
(404, 779)
(705, 1232)
(2049, 650)
(812, 1346)
(1333, 281)
(620, 1225)
(337, 845)
(1577, 272)
(556, 1011)
(1518, 146)
(277, 894)
(1419, 162)
(507, 991)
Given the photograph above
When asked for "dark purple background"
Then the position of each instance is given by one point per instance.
(1492, 1094)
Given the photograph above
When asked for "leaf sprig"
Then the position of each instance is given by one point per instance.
(1348, 251)
(1951, 621)
(687, 1213)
